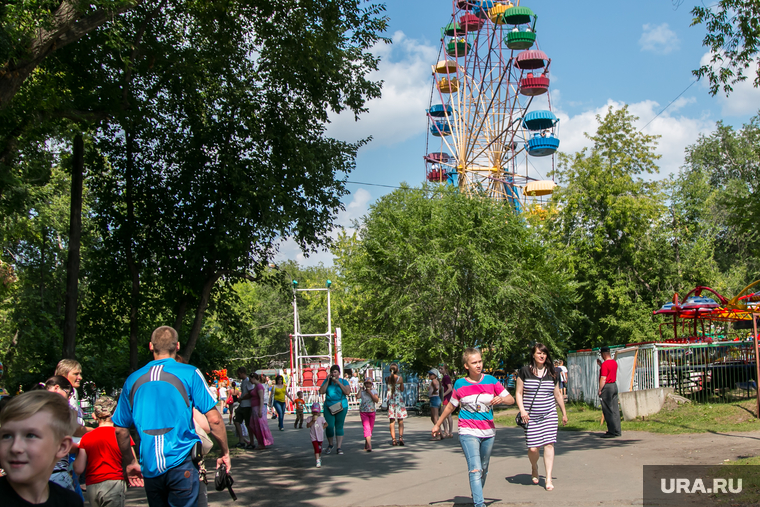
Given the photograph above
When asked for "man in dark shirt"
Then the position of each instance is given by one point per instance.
(608, 392)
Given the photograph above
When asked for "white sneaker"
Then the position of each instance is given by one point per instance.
(319, 463)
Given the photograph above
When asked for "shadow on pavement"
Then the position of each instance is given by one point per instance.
(285, 474)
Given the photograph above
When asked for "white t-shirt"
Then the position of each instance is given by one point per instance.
(563, 369)
(223, 394)
(245, 387)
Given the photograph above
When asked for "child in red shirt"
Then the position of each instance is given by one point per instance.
(100, 455)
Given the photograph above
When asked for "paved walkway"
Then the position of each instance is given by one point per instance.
(588, 470)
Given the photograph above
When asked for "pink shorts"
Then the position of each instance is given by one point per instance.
(317, 446)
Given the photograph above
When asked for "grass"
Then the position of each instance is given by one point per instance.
(688, 418)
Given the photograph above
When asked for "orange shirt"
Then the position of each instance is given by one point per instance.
(299, 404)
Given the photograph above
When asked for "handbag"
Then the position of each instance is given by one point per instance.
(336, 408)
(518, 417)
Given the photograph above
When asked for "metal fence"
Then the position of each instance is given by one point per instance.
(703, 372)
(709, 372)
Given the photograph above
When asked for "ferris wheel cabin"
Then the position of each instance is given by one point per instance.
(543, 140)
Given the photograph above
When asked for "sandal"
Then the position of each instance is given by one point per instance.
(393, 442)
(549, 486)
(401, 441)
(534, 476)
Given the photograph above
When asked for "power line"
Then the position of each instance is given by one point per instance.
(372, 184)
(669, 104)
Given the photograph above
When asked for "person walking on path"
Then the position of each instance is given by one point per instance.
(434, 394)
(279, 393)
(299, 404)
(538, 385)
(235, 398)
(259, 425)
(62, 475)
(100, 455)
(222, 396)
(243, 413)
(72, 370)
(336, 390)
(447, 386)
(158, 400)
(367, 409)
(396, 404)
(559, 366)
(608, 392)
(476, 394)
(316, 427)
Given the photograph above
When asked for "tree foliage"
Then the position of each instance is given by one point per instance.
(733, 39)
(437, 271)
(205, 127)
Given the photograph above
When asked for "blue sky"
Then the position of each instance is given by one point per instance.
(603, 53)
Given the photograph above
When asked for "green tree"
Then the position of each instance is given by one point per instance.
(726, 205)
(733, 38)
(436, 271)
(608, 229)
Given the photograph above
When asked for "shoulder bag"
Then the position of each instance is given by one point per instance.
(336, 408)
(518, 417)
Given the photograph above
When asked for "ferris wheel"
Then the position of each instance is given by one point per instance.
(481, 127)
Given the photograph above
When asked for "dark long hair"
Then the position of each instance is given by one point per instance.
(548, 363)
(392, 378)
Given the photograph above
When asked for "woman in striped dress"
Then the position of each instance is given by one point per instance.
(538, 395)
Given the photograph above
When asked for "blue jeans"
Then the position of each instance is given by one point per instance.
(478, 454)
(279, 406)
(178, 487)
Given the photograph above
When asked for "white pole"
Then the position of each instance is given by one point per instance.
(329, 330)
(339, 348)
(297, 350)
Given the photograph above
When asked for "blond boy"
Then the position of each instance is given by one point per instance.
(35, 432)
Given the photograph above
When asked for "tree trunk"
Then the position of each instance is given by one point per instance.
(69, 24)
(75, 242)
(42, 268)
(134, 299)
(181, 311)
(192, 340)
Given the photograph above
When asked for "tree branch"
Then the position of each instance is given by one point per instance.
(68, 26)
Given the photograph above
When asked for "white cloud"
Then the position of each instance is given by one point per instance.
(659, 39)
(355, 209)
(744, 100)
(400, 113)
(676, 131)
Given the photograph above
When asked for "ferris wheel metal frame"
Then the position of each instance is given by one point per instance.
(485, 81)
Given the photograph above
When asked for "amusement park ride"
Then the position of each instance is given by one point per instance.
(489, 73)
(308, 370)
